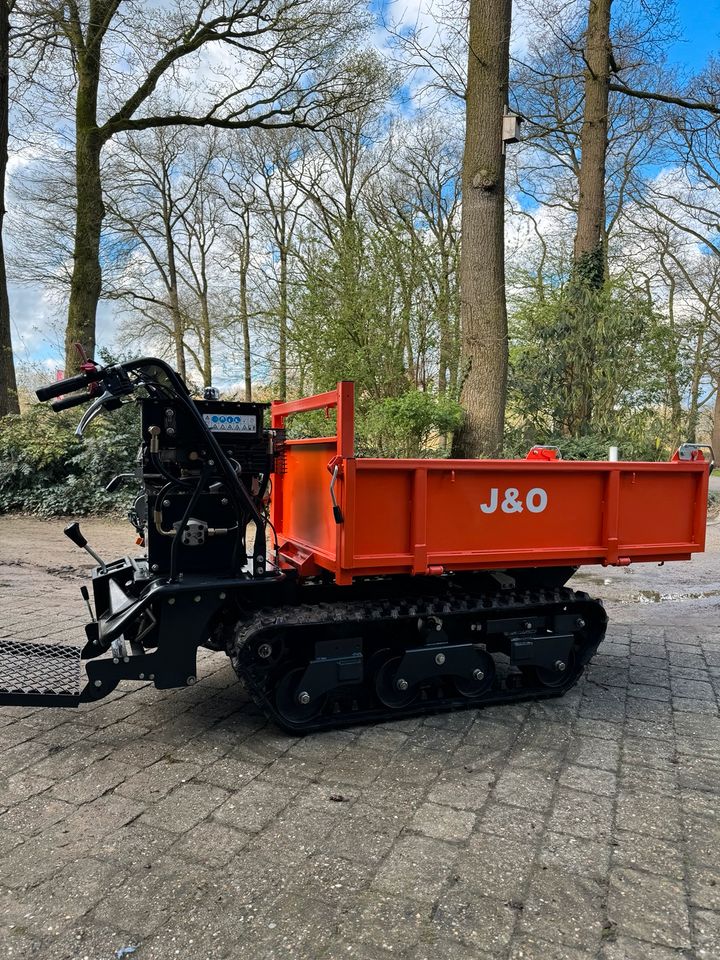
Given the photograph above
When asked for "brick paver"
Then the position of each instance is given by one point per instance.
(180, 822)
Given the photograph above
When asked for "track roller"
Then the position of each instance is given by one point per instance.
(482, 678)
(294, 705)
(393, 690)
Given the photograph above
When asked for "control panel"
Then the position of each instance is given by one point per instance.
(231, 422)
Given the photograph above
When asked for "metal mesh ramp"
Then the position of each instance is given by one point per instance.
(39, 673)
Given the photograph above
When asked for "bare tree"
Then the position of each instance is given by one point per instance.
(152, 187)
(280, 161)
(682, 279)
(201, 231)
(583, 149)
(590, 233)
(8, 384)
(435, 51)
(241, 200)
(285, 53)
(402, 238)
(422, 186)
(483, 311)
(346, 158)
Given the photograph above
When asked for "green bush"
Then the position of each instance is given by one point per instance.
(594, 446)
(47, 471)
(586, 361)
(412, 425)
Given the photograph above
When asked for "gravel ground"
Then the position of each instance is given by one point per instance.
(182, 824)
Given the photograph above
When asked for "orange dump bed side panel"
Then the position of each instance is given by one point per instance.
(427, 516)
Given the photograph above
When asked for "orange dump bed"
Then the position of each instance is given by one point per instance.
(428, 516)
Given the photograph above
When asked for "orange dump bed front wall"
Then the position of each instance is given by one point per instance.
(427, 516)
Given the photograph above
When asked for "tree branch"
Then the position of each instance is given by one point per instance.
(704, 105)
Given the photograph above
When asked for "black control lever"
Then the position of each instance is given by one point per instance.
(72, 532)
(337, 511)
(85, 593)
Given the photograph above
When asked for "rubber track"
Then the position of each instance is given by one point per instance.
(264, 623)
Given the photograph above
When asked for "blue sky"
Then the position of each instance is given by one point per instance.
(699, 22)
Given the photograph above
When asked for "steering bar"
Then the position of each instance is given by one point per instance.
(74, 400)
(68, 385)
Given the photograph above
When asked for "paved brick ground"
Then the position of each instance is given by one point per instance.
(582, 828)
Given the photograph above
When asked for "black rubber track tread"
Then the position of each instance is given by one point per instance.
(267, 624)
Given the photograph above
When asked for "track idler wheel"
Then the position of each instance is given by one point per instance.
(293, 704)
(555, 676)
(482, 678)
(393, 691)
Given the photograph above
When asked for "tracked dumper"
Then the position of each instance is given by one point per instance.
(344, 589)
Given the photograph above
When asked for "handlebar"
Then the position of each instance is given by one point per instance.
(72, 401)
(68, 385)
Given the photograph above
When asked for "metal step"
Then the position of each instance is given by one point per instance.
(39, 674)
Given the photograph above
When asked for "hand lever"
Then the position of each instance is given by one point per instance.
(119, 480)
(92, 411)
(337, 512)
(72, 532)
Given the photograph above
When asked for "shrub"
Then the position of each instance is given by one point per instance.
(594, 446)
(46, 470)
(412, 425)
(585, 361)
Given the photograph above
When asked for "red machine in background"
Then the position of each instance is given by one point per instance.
(375, 589)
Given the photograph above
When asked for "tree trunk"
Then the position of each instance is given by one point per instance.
(406, 282)
(8, 384)
(454, 368)
(86, 279)
(590, 263)
(676, 412)
(283, 325)
(443, 311)
(589, 245)
(206, 340)
(675, 402)
(715, 436)
(245, 320)
(178, 333)
(697, 373)
(483, 310)
(175, 312)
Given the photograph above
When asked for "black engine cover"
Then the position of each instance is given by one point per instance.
(183, 451)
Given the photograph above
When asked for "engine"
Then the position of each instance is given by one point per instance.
(189, 515)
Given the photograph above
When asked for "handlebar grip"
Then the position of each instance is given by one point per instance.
(72, 401)
(66, 386)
